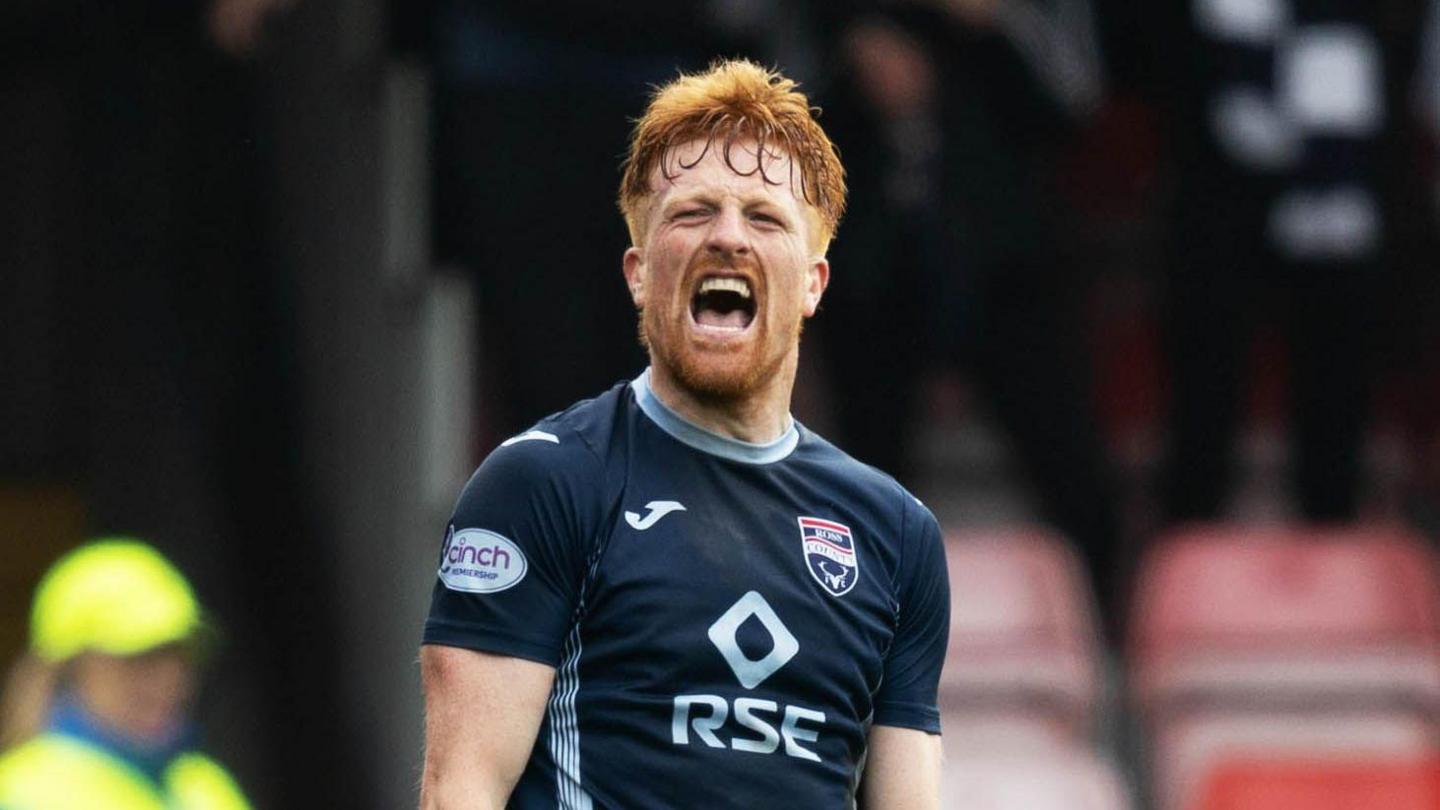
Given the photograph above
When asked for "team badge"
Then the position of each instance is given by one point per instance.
(829, 554)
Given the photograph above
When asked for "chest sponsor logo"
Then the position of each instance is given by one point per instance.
(480, 561)
(656, 510)
(723, 633)
(829, 549)
(751, 726)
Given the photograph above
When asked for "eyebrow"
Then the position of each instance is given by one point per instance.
(704, 197)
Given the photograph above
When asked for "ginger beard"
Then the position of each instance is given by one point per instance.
(727, 271)
(709, 370)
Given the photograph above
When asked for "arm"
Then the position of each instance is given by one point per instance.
(504, 600)
(482, 712)
(902, 770)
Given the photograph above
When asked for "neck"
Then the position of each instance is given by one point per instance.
(71, 717)
(758, 417)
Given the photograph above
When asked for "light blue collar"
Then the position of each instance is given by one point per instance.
(689, 433)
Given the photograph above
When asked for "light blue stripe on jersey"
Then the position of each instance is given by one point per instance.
(686, 432)
(565, 730)
(564, 724)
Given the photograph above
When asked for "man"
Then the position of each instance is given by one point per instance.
(673, 595)
(100, 708)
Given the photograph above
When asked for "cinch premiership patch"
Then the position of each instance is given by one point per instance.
(830, 554)
(480, 561)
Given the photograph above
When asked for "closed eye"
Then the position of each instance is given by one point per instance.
(691, 213)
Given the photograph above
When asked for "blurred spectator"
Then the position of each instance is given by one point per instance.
(1278, 111)
(98, 711)
(531, 101)
(951, 115)
(147, 359)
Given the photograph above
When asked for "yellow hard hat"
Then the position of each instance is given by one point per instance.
(115, 595)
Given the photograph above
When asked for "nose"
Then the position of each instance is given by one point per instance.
(728, 236)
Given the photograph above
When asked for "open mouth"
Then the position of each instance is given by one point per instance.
(723, 302)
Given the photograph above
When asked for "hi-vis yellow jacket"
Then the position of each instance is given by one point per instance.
(56, 772)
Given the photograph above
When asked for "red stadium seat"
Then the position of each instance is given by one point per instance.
(1287, 613)
(1284, 643)
(1323, 785)
(1186, 747)
(1056, 781)
(1023, 659)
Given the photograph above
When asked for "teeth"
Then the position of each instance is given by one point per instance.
(736, 285)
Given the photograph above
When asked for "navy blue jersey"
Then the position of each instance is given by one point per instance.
(727, 620)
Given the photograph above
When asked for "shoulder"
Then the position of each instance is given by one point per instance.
(594, 423)
(573, 444)
(59, 773)
(196, 780)
(561, 471)
(41, 755)
(857, 481)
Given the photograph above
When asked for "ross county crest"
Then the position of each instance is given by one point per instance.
(829, 554)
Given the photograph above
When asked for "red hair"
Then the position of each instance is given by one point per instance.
(735, 100)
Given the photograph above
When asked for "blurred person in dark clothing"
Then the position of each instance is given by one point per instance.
(1413, 305)
(552, 320)
(1278, 116)
(951, 115)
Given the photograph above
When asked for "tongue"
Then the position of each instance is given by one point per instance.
(734, 319)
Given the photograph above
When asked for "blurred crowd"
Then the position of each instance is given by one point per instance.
(1259, 175)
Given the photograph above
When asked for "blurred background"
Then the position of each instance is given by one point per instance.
(1141, 298)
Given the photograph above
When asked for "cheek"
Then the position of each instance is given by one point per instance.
(666, 267)
(792, 292)
(665, 295)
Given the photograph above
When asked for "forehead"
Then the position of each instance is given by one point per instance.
(699, 167)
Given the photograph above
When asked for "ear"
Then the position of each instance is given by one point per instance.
(817, 278)
(634, 267)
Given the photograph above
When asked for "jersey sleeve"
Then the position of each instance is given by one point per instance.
(907, 696)
(517, 549)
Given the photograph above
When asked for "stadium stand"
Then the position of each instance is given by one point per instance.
(1282, 643)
